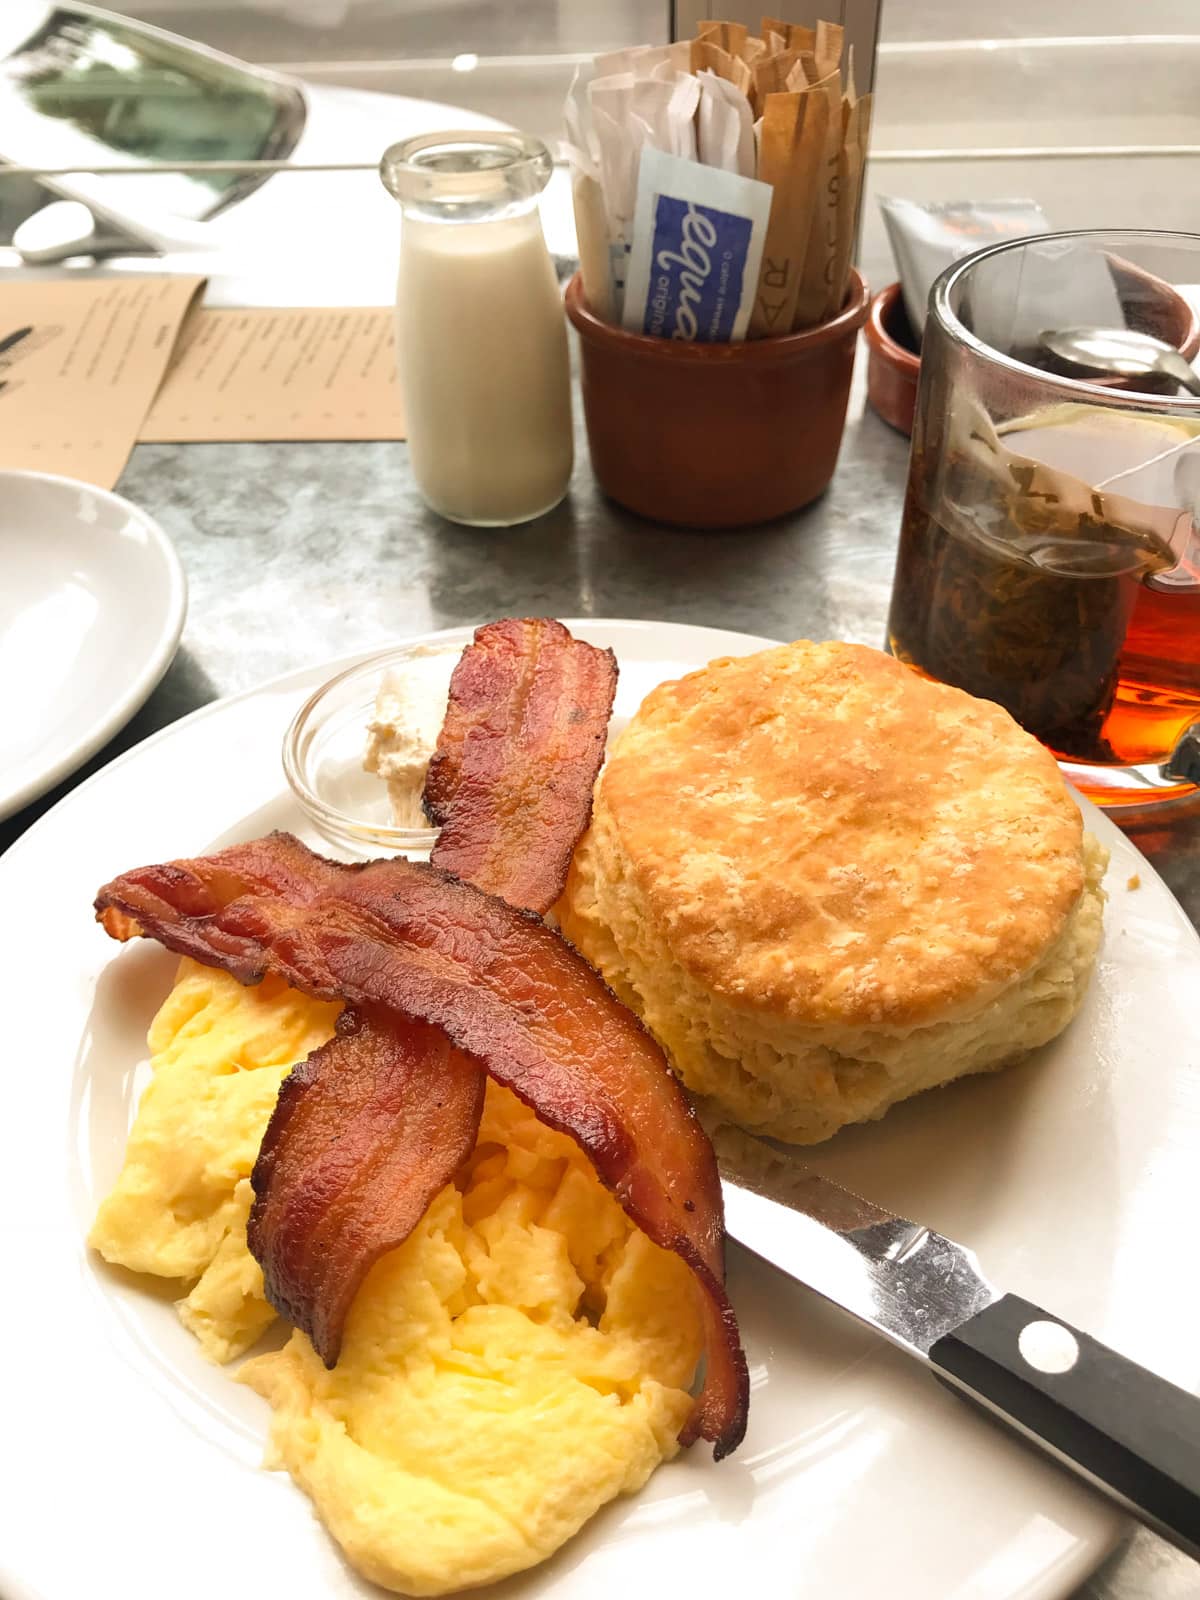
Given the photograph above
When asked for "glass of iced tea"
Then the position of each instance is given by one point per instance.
(1050, 547)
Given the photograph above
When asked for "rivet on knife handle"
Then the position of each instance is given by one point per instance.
(1133, 1434)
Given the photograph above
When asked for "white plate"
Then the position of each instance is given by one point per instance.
(123, 1452)
(92, 602)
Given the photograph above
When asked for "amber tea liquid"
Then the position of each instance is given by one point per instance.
(1103, 666)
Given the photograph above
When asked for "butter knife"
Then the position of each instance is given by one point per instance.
(1128, 1432)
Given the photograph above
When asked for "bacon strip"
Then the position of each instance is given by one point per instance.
(404, 938)
(199, 887)
(511, 779)
(364, 1134)
(365, 1131)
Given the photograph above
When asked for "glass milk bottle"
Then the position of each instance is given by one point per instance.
(480, 332)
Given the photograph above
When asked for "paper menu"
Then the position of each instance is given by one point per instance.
(298, 373)
(88, 366)
(80, 362)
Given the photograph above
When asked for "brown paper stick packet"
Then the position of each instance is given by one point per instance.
(591, 230)
(853, 160)
(731, 36)
(804, 74)
(790, 148)
(707, 54)
(770, 75)
(849, 173)
(828, 48)
(816, 286)
(793, 35)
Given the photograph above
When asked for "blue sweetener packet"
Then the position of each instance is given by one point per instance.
(698, 236)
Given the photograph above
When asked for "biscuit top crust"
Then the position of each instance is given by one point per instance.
(818, 833)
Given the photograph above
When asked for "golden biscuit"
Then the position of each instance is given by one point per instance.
(827, 883)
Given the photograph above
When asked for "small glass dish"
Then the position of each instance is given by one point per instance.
(324, 747)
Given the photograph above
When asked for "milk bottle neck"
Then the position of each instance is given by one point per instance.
(466, 178)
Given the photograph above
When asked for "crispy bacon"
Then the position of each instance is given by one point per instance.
(365, 1131)
(199, 887)
(364, 1134)
(406, 939)
(511, 779)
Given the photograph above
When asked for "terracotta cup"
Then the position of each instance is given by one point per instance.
(715, 435)
(894, 366)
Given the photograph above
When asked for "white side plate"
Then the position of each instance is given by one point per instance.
(92, 602)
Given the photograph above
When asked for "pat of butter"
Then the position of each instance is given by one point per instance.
(402, 735)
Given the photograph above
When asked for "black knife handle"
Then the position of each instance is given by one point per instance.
(1132, 1434)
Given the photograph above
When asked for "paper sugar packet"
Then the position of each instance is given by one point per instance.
(698, 236)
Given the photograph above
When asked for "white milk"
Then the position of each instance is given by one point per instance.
(482, 346)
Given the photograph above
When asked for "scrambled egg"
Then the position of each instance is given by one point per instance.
(523, 1358)
(218, 1053)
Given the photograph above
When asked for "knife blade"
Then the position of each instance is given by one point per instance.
(1126, 1431)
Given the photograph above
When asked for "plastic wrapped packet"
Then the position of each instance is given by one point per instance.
(1065, 283)
(925, 239)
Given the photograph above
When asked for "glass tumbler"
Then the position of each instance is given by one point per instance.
(481, 337)
(1050, 545)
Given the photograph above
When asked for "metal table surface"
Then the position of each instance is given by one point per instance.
(299, 552)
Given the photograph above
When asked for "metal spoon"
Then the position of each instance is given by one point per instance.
(1121, 353)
